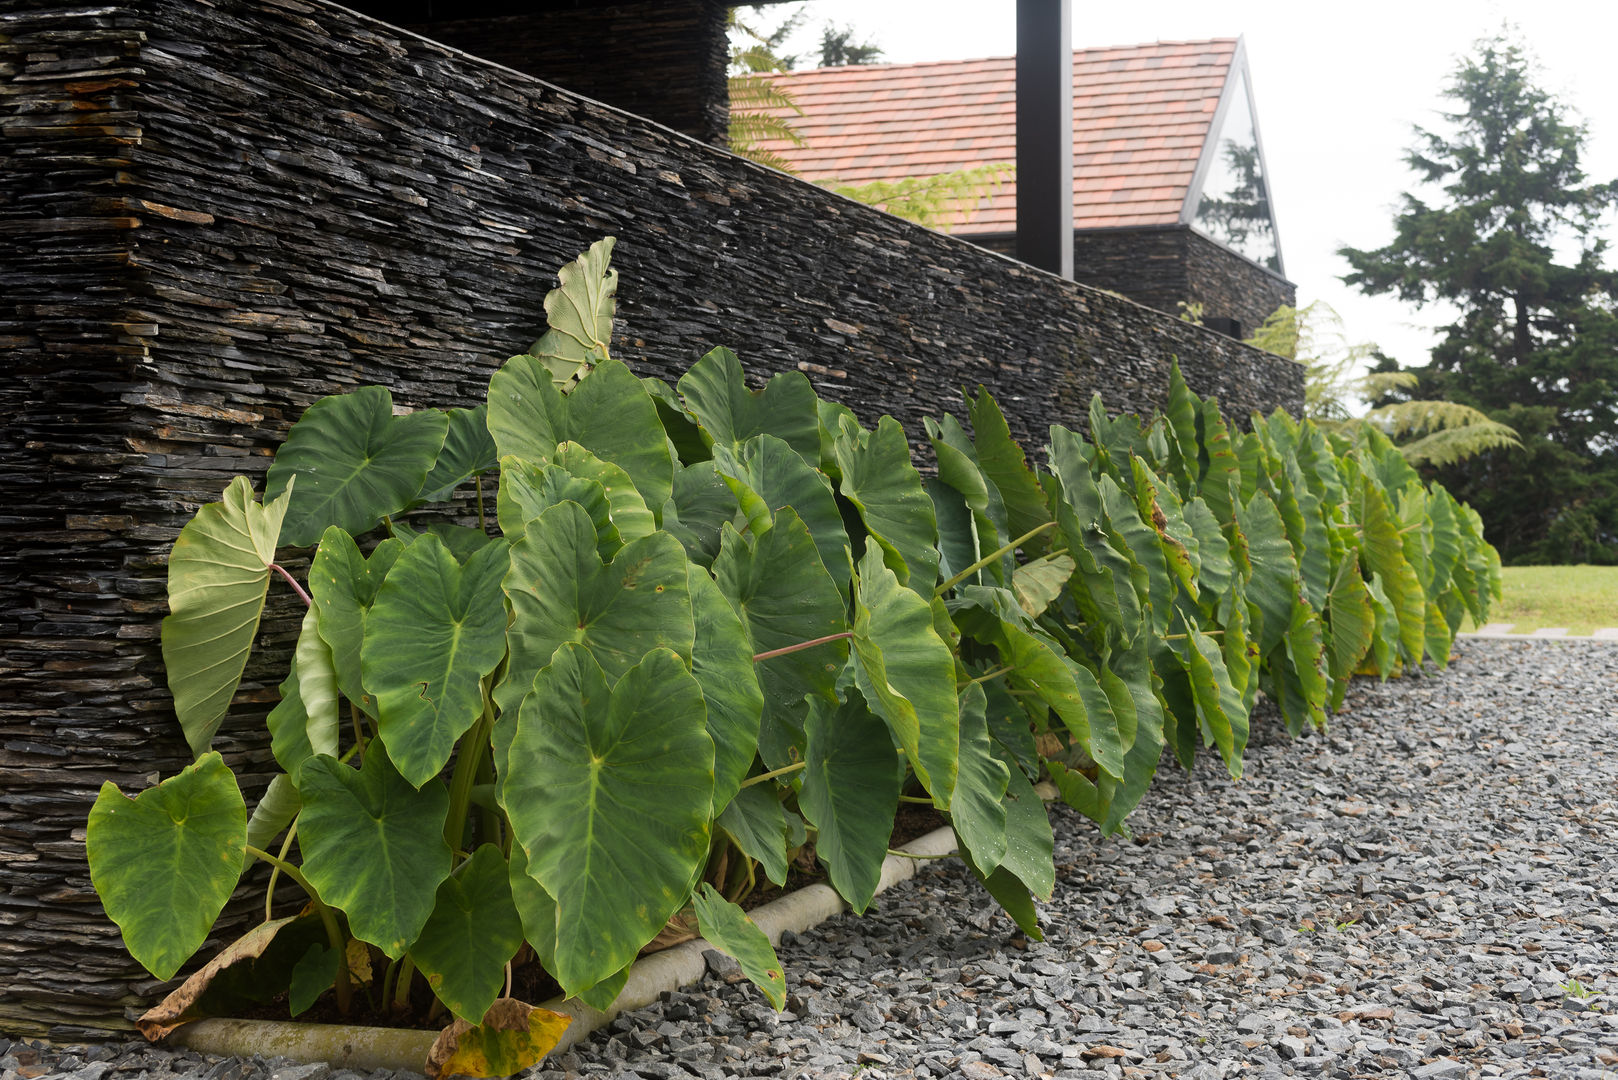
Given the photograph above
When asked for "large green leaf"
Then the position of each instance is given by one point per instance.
(610, 794)
(1220, 710)
(1348, 609)
(1007, 890)
(219, 574)
(880, 481)
(1102, 585)
(722, 661)
(579, 314)
(1274, 585)
(1041, 670)
(471, 934)
(1384, 555)
(468, 451)
(560, 591)
(373, 846)
(724, 924)
(978, 809)
(435, 630)
(165, 862)
(850, 789)
(344, 584)
(785, 597)
(627, 508)
(696, 514)
(1003, 462)
(1029, 841)
(1305, 652)
(717, 395)
(305, 722)
(765, 475)
(355, 462)
(528, 490)
(756, 822)
(276, 808)
(609, 413)
(907, 674)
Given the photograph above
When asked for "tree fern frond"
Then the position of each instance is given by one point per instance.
(1450, 445)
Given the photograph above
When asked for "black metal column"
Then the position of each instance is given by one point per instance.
(1045, 134)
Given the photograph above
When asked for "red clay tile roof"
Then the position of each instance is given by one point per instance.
(1140, 116)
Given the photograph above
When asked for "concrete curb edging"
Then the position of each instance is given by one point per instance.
(368, 1048)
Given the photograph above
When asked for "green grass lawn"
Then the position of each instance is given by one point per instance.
(1581, 598)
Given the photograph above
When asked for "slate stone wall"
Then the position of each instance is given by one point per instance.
(212, 212)
(1161, 266)
(1229, 286)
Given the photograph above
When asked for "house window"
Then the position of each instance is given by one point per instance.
(1234, 206)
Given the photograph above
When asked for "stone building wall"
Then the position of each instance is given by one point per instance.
(1231, 287)
(679, 52)
(213, 212)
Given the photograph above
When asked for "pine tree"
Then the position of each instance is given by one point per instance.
(1535, 344)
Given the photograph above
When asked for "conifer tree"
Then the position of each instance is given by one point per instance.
(1535, 341)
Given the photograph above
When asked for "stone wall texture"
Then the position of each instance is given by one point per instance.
(1163, 266)
(213, 212)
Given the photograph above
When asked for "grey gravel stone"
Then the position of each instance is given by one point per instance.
(1426, 892)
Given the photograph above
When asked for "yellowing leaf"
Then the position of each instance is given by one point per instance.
(513, 1036)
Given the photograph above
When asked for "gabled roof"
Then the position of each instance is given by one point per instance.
(1141, 117)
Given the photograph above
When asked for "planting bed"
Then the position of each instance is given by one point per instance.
(1426, 890)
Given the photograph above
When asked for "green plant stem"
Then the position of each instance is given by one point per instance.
(913, 855)
(401, 990)
(293, 582)
(995, 674)
(334, 933)
(922, 800)
(991, 558)
(359, 732)
(773, 773)
(275, 871)
(473, 750)
(800, 646)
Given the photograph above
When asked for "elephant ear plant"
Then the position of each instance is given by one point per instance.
(698, 628)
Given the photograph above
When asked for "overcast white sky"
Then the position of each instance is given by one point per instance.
(1337, 88)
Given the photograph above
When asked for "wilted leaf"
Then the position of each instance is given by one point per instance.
(513, 1036)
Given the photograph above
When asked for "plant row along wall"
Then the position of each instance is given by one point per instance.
(215, 212)
(697, 627)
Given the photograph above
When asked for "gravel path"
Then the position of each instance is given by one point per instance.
(1431, 890)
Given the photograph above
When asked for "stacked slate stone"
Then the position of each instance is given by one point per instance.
(213, 213)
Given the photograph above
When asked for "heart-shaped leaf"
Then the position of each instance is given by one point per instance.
(609, 413)
(344, 584)
(473, 931)
(528, 490)
(766, 475)
(717, 395)
(610, 793)
(978, 808)
(468, 451)
(701, 506)
(880, 481)
(727, 926)
(355, 461)
(165, 862)
(579, 313)
(722, 661)
(560, 591)
(850, 781)
(373, 846)
(435, 630)
(219, 574)
(276, 808)
(757, 824)
(776, 583)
